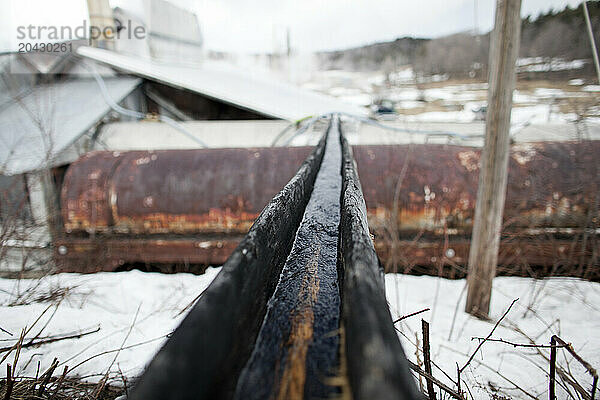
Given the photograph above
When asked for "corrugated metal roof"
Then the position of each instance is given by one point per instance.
(253, 91)
(36, 128)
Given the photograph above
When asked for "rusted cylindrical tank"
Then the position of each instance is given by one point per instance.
(429, 187)
(549, 185)
(174, 191)
(196, 204)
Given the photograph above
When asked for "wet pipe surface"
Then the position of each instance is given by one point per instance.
(298, 344)
(268, 325)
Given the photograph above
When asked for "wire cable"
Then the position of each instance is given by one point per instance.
(136, 114)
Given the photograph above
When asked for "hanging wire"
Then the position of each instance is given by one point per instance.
(136, 114)
(310, 121)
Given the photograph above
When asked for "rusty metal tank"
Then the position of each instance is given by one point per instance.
(189, 201)
(174, 191)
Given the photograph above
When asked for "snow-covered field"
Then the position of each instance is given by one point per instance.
(437, 99)
(569, 308)
(135, 311)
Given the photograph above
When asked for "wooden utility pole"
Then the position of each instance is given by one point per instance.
(491, 193)
(586, 14)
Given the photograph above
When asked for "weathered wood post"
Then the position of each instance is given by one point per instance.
(491, 192)
(588, 23)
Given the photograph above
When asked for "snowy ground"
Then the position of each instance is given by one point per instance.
(569, 308)
(148, 304)
(437, 99)
(135, 310)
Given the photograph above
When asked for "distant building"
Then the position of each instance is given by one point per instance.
(53, 107)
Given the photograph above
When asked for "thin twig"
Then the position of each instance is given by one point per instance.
(191, 303)
(9, 382)
(591, 370)
(438, 383)
(417, 354)
(411, 315)
(5, 331)
(19, 344)
(26, 332)
(60, 382)
(46, 377)
(559, 371)
(102, 382)
(481, 363)
(47, 322)
(541, 346)
(52, 340)
(119, 349)
(488, 336)
(462, 292)
(551, 386)
(427, 358)
(124, 381)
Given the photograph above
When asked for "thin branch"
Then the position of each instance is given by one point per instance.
(9, 382)
(565, 376)
(481, 363)
(462, 292)
(102, 382)
(33, 343)
(542, 346)
(438, 383)
(427, 358)
(488, 336)
(26, 332)
(591, 370)
(119, 349)
(411, 315)
(569, 347)
(5, 331)
(432, 362)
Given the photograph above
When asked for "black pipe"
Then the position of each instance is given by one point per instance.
(377, 365)
(206, 353)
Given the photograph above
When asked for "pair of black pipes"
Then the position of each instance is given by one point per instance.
(299, 309)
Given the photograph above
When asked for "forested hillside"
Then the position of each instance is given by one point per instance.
(555, 35)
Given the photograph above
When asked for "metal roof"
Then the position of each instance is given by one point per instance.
(246, 89)
(39, 126)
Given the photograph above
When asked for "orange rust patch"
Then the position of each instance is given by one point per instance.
(291, 385)
(215, 221)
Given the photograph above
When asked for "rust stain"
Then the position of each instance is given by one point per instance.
(291, 384)
(215, 221)
(469, 159)
(93, 255)
(174, 191)
(523, 153)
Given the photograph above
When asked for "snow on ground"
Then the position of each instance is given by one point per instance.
(536, 114)
(567, 307)
(108, 300)
(452, 101)
(539, 64)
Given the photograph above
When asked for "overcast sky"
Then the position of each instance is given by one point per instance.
(260, 26)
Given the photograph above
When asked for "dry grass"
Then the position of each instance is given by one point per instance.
(58, 388)
(53, 382)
